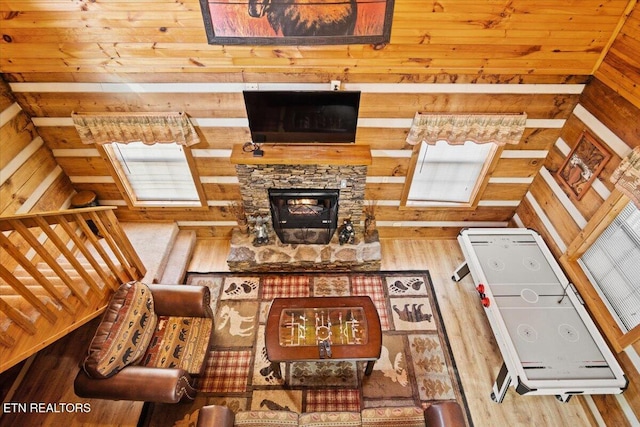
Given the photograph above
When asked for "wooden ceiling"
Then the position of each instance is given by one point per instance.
(152, 40)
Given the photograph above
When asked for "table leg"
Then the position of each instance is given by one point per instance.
(461, 271)
(501, 385)
(277, 371)
(369, 367)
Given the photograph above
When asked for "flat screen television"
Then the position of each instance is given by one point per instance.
(302, 116)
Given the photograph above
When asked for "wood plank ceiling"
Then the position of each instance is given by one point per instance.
(93, 39)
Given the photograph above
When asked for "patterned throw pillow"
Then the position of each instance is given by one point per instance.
(330, 419)
(179, 342)
(124, 332)
(266, 419)
(393, 416)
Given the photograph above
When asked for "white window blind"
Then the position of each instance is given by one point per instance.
(447, 173)
(156, 173)
(613, 266)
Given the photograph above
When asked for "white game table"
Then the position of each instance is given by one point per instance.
(548, 342)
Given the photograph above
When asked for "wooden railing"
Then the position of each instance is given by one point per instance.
(57, 271)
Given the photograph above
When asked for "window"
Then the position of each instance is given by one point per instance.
(449, 175)
(612, 264)
(154, 175)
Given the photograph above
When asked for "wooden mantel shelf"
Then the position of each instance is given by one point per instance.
(304, 154)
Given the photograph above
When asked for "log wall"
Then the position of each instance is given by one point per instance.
(31, 180)
(383, 124)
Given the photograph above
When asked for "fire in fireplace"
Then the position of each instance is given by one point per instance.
(307, 216)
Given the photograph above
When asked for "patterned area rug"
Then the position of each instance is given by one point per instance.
(415, 366)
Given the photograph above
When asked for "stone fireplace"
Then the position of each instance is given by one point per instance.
(305, 179)
(302, 215)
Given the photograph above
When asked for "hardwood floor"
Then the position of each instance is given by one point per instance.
(50, 377)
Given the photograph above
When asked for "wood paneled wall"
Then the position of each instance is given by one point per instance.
(31, 179)
(384, 121)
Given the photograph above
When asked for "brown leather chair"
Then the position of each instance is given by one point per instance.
(151, 343)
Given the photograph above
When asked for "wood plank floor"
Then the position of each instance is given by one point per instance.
(50, 377)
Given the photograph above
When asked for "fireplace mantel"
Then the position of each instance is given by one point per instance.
(305, 154)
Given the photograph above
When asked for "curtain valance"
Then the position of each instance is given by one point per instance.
(626, 177)
(458, 128)
(150, 128)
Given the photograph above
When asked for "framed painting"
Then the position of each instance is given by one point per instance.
(583, 165)
(297, 22)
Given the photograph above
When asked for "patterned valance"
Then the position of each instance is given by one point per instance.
(459, 128)
(627, 176)
(104, 128)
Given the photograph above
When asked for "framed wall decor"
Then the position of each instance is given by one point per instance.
(583, 165)
(297, 22)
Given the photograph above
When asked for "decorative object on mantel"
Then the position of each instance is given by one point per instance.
(346, 233)
(626, 177)
(370, 219)
(149, 128)
(456, 129)
(582, 165)
(260, 230)
(305, 22)
(237, 209)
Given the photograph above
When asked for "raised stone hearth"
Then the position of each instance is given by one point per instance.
(276, 256)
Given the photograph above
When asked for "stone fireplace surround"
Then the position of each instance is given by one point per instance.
(322, 166)
(256, 180)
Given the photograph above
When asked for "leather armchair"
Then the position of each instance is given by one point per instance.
(184, 321)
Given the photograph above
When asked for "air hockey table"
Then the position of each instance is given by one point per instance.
(548, 342)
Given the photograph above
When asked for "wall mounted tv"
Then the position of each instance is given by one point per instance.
(302, 116)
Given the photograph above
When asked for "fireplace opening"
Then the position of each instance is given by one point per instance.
(304, 216)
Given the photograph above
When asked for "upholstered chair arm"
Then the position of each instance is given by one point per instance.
(444, 414)
(139, 383)
(181, 300)
(215, 416)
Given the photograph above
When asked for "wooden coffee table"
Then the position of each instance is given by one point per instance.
(298, 329)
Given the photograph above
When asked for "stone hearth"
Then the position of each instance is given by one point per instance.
(276, 256)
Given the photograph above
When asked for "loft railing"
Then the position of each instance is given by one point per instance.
(57, 270)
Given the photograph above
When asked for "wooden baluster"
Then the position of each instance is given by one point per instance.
(109, 236)
(81, 221)
(113, 227)
(109, 280)
(18, 318)
(24, 292)
(62, 247)
(6, 340)
(51, 261)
